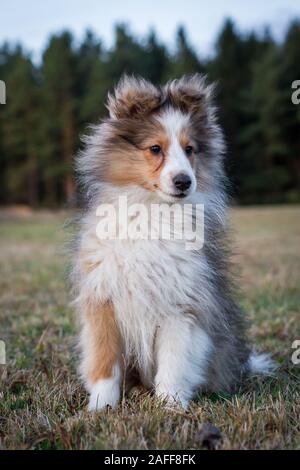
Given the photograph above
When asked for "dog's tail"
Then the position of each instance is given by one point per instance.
(261, 363)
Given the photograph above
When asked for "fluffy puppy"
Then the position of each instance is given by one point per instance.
(148, 305)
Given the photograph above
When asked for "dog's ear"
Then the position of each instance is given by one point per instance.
(132, 98)
(190, 93)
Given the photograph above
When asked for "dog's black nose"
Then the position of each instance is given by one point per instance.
(182, 181)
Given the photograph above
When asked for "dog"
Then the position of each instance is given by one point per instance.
(150, 308)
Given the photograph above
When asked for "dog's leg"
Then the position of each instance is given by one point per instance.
(183, 350)
(101, 363)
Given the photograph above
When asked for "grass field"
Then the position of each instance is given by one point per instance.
(42, 404)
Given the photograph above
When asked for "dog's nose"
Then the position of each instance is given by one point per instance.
(182, 181)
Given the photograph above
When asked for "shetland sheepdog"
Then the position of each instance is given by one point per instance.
(148, 306)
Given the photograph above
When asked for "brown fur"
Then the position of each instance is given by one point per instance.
(105, 341)
(133, 98)
(188, 96)
(133, 163)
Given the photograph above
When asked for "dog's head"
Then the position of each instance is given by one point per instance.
(163, 139)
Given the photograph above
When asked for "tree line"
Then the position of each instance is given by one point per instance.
(49, 105)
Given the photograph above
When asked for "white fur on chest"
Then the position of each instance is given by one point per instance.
(146, 280)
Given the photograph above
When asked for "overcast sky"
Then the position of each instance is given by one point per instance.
(31, 21)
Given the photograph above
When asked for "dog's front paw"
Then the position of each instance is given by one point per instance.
(105, 392)
(171, 399)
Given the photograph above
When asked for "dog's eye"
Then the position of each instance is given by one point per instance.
(189, 150)
(155, 149)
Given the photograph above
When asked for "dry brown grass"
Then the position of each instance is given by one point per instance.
(42, 404)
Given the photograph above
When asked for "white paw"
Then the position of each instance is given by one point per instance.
(171, 399)
(104, 392)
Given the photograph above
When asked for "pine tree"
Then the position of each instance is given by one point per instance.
(4, 59)
(19, 129)
(126, 56)
(156, 60)
(264, 147)
(185, 60)
(290, 54)
(92, 80)
(59, 118)
(226, 70)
